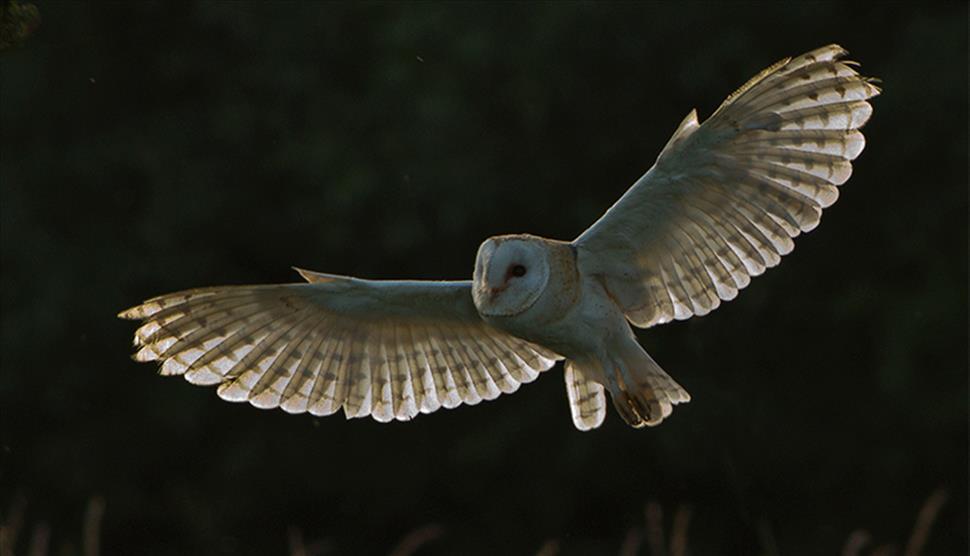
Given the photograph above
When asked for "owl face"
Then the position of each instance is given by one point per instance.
(511, 272)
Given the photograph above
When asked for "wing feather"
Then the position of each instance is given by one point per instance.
(358, 401)
(329, 375)
(390, 350)
(726, 198)
(297, 391)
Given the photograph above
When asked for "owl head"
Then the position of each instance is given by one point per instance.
(511, 272)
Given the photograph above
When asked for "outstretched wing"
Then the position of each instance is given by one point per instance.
(389, 349)
(725, 198)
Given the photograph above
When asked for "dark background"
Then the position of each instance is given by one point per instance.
(151, 147)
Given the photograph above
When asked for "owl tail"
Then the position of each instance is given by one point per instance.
(587, 398)
(643, 394)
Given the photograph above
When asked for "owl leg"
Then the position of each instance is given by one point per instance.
(643, 394)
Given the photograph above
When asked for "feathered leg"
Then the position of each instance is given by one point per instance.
(643, 394)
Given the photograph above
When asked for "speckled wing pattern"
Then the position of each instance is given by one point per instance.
(388, 349)
(726, 197)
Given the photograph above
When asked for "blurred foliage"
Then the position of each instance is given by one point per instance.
(152, 146)
(17, 22)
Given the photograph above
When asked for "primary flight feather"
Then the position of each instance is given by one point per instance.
(720, 205)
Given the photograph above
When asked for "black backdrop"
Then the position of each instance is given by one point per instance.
(150, 147)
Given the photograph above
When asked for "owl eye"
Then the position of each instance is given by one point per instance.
(517, 271)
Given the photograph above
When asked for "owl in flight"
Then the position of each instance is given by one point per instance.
(721, 204)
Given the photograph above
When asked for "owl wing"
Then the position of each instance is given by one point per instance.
(389, 349)
(725, 198)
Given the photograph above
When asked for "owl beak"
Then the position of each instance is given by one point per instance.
(494, 292)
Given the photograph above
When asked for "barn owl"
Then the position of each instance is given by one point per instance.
(722, 203)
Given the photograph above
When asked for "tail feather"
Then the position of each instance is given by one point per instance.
(587, 398)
